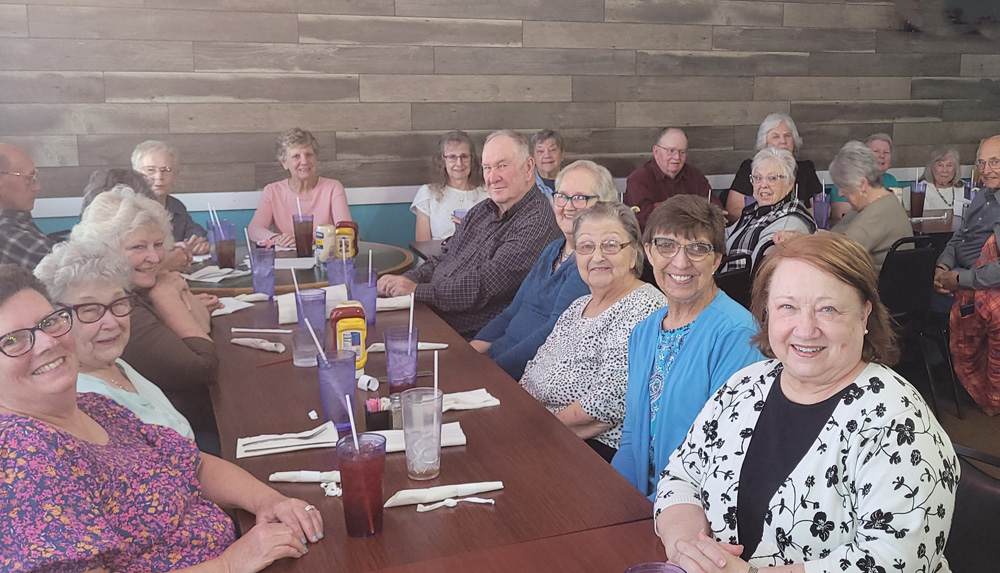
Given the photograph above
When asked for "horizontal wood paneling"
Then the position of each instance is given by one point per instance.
(563, 10)
(229, 87)
(356, 173)
(195, 148)
(222, 56)
(51, 87)
(882, 65)
(662, 88)
(979, 65)
(256, 117)
(950, 132)
(721, 63)
(792, 39)
(638, 114)
(708, 12)
(409, 31)
(81, 118)
(534, 61)
(360, 7)
(817, 135)
(512, 115)
(956, 88)
(882, 16)
(459, 88)
(47, 150)
(14, 21)
(895, 41)
(614, 35)
(919, 155)
(869, 111)
(94, 55)
(827, 88)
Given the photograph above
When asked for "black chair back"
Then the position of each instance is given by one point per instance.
(972, 545)
(907, 277)
(736, 283)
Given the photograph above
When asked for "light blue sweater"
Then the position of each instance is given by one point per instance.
(717, 346)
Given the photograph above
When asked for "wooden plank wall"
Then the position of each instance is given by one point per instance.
(83, 81)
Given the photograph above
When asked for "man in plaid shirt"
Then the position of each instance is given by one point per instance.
(481, 267)
(21, 241)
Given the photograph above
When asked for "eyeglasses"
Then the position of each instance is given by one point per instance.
(607, 247)
(671, 150)
(453, 158)
(90, 312)
(696, 251)
(21, 341)
(771, 179)
(154, 170)
(993, 162)
(579, 201)
(32, 177)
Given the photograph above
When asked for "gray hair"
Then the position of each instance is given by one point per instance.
(783, 157)
(295, 137)
(940, 153)
(71, 263)
(116, 214)
(880, 137)
(521, 144)
(543, 135)
(150, 146)
(616, 211)
(106, 180)
(600, 178)
(855, 161)
(772, 121)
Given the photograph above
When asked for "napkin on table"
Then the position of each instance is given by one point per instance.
(252, 297)
(432, 494)
(451, 435)
(288, 312)
(305, 476)
(278, 443)
(260, 344)
(213, 274)
(392, 303)
(470, 400)
(230, 305)
(380, 346)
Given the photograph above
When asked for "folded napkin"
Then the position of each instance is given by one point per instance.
(393, 303)
(288, 313)
(261, 344)
(452, 502)
(380, 346)
(230, 305)
(324, 436)
(451, 435)
(470, 400)
(305, 476)
(252, 297)
(294, 263)
(940, 217)
(281, 249)
(201, 258)
(441, 492)
(213, 274)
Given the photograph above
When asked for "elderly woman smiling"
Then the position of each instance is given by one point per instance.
(681, 354)
(823, 458)
(94, 282)
(580, 372)
(513, 337)
(777, 208)
(457, 184)
(944, 182)
(89, 487)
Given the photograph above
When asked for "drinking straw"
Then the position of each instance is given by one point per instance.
(214, 215)
(319, 346)
(299, 205)
(350, 415)
(409, 336)
(369, 267)
(435, 371)
(295, 281)
(249, 248)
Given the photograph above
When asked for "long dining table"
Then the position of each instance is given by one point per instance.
(561, 502)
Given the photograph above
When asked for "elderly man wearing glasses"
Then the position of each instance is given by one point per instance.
(21, 241)
(665, 175)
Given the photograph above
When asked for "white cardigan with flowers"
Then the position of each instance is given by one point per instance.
(874, 493)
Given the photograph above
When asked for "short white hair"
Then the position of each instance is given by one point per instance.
(603, 184)
(73, 262)
(521, 144)
(150, 146)
(115, 214)
(772, 121)
(855, 161)
(782, 157)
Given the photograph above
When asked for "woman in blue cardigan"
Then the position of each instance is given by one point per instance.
(681, 354)
(514, 336)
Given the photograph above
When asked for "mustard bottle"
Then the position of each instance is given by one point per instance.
(348, 323)
(347, 240)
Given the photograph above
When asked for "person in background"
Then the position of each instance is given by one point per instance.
(881, 145)
(684, 352)
(103, 180)
(822, 458)
(665, 175)
(944, 182)
(21, 241)
(547, 149)
(90, 487)
(480, 269)
(161, 164)
(777, 130)
(513, 337)
(324, 198)
(580, 372)
(457, 185)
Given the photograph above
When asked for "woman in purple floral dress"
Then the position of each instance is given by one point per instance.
(86, 486)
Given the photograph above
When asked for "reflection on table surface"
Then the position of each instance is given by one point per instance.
(388, 259)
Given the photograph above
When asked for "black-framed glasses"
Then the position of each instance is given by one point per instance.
(18, 342)
(32, 177)
(771, 179)
(579, 201)
(607, 247)
(696, 251)
(993, 162)
(90, 312)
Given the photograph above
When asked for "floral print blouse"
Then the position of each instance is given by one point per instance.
(875, 492)
(133, 504)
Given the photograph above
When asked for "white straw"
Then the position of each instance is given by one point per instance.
(369, 267)
(319, 346)
(249, 248)
(435, 370)
(212, 213)
(409, 337)
(299, 205)
(350, 414)
(295, 281)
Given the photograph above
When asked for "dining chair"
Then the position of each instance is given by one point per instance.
(736, 283)
(972, 545)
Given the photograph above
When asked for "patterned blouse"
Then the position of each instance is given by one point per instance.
(133, 504)
(874, 493)
(586, 359)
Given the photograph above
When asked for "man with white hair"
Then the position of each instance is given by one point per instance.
(481, 267)
(21, 241)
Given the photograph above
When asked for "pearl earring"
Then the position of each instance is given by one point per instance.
(866, 331)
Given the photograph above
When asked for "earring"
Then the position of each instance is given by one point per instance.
(866, 331)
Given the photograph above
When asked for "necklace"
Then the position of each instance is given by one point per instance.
(946, 202)
(562, 259)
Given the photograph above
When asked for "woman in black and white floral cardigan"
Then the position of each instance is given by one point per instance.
(823, 459)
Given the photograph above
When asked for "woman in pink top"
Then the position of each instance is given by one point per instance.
(324, 198)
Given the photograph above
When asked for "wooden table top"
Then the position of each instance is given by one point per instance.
(554, 483)
(388, 259)
(946, 226)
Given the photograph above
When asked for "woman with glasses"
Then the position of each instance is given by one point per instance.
(93, 282)
(579, 373)
(681, 354)
(777, 207)
(513, 337)
(457, 185)
(89, 487)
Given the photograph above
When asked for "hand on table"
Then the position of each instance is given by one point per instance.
(706, 555)
(480, 346)
(197, 245)
(306, 524)
(395, 285)
(178, 258)
(284, 240)
(211, 302)
(261, 546)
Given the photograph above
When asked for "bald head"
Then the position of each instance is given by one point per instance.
(18, 182)
(670, 151)
(989, 161)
